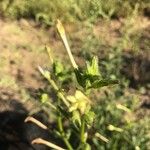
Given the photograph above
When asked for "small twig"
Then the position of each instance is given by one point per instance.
(47, 143)
(31, 119)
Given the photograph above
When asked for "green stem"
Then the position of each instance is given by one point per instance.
(61, 130)
(60, 95)
(82, 133)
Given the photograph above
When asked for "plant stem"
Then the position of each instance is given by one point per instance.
(60, 126)
(60, 95)
(82, 134)
(54, 85)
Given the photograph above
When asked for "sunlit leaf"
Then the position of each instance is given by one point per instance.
(92, 67)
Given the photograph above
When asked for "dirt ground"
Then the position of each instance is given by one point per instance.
(22, 51)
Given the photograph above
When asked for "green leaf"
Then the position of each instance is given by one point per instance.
(91, 78)
(58, 68)
(61, 72)
(92, 67)
(84, 79)
(104, 82)
(80, 78)
(89, 117)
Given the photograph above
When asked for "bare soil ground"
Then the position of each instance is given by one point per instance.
(21, 51)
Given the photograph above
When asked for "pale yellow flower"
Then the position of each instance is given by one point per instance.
(78, 101)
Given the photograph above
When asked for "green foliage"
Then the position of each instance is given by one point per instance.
(91, 77)
(123, 131)
(47, 11)
(108, 122)
(75, 109)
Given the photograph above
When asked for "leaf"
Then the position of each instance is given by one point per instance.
(104, 82)
(91, 78)
(92, 67)
(89, 117)
(92, 73)
(80, 78)
(58, 68)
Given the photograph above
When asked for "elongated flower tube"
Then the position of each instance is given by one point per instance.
(113, 128)
(119, 106)
(62, 34)
(49, 144)
(98, 135)
(40, 124)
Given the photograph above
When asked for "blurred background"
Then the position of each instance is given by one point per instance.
(117, 31)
